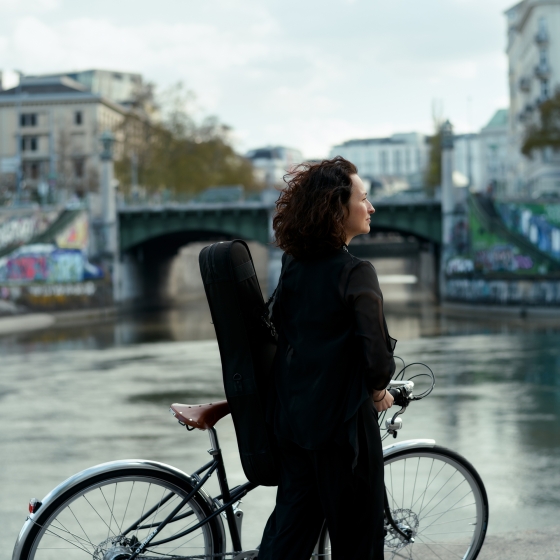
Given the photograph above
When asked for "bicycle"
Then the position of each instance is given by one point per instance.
(436, 504)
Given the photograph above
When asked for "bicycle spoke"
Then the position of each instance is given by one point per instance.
(103, 520)
(127, 503)
(65, 530)
(88, 539)
(74, 546)
(442, 546)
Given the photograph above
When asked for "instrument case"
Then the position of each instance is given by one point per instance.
(247, 343)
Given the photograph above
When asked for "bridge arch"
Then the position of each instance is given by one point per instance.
(140, 226)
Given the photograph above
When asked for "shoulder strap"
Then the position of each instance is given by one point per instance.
(285, 259)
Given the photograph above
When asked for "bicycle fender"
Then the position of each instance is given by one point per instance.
(103, 468)
(408, 444)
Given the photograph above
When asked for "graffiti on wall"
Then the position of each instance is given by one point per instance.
(540, 223)
(17, 228)
(46, 263)
(487, 252)
(75, 236)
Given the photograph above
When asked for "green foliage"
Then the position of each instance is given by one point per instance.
(545, 134)
(175, 153)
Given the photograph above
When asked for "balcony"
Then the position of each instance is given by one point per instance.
(525, 84)
(542, 71)
(541, 38)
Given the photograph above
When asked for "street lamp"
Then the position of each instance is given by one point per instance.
(107, 141)
(109, 212)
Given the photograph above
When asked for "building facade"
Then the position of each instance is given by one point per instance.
(533, 51)
(49, 136)
(271, 163)
(480, 159)
(393, 163)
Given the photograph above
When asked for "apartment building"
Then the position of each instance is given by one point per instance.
(49, 132)
(533, 51)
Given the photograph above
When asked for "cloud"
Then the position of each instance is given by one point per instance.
(28, 6)
(306, 74)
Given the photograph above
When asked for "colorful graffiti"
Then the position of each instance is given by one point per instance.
(17, 227)
(477, 250)
(540, 223)
(16, 230)
(75, 236)
(46, 263)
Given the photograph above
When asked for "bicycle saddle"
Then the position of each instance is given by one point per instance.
(201, 416)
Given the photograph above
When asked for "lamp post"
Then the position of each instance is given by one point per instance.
(447, 202)
(109, 212)
(19, 150)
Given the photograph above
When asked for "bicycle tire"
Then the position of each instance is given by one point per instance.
(88, 521)
(409, 471)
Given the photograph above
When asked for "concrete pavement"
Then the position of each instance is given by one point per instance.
(536, 544)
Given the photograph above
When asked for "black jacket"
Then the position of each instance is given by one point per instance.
(333, 347)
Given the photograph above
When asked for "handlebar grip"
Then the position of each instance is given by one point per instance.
(400, 398)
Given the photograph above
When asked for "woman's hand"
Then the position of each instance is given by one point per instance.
(382, 401)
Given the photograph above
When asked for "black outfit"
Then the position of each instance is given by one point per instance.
(333, 351)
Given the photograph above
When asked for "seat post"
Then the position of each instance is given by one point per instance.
(213, 435)
(216, 452)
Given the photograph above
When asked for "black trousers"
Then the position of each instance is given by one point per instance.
(319, 485)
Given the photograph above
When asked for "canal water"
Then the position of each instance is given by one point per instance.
(75, 397)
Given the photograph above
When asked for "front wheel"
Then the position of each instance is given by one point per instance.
(436, 496)
(108, 515)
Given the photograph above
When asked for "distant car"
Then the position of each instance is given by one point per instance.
(224, 193)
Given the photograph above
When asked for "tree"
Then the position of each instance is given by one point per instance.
(176, 153)
(546, 132)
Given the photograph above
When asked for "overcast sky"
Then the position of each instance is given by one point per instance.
(306, 73)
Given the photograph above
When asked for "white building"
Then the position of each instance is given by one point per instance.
(534, 76)
(480, 160)
(271, 163)
(52, 126)
(493, 140)
(396, 162)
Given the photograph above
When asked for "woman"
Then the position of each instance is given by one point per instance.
(333, 362)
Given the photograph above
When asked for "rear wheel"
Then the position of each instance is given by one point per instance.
(107, 516)
(437, 497)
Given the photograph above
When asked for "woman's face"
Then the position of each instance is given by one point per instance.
(358, 210)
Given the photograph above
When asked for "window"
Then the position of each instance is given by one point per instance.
(79, 168)
(29, 143)
(397, 161)
(35, 168)
(383, 161)
(543, 57)
(407, 161)
(28, 119)
(544, 89)
(78, 118)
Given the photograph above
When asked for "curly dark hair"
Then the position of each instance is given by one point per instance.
(310, 210)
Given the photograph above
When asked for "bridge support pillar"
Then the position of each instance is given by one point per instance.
(453, 210)
(110, 235)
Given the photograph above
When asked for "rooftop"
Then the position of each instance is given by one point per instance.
(47, 84)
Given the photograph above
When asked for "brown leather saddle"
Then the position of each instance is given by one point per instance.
(201, 416)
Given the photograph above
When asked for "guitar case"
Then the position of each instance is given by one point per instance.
(247, 343)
